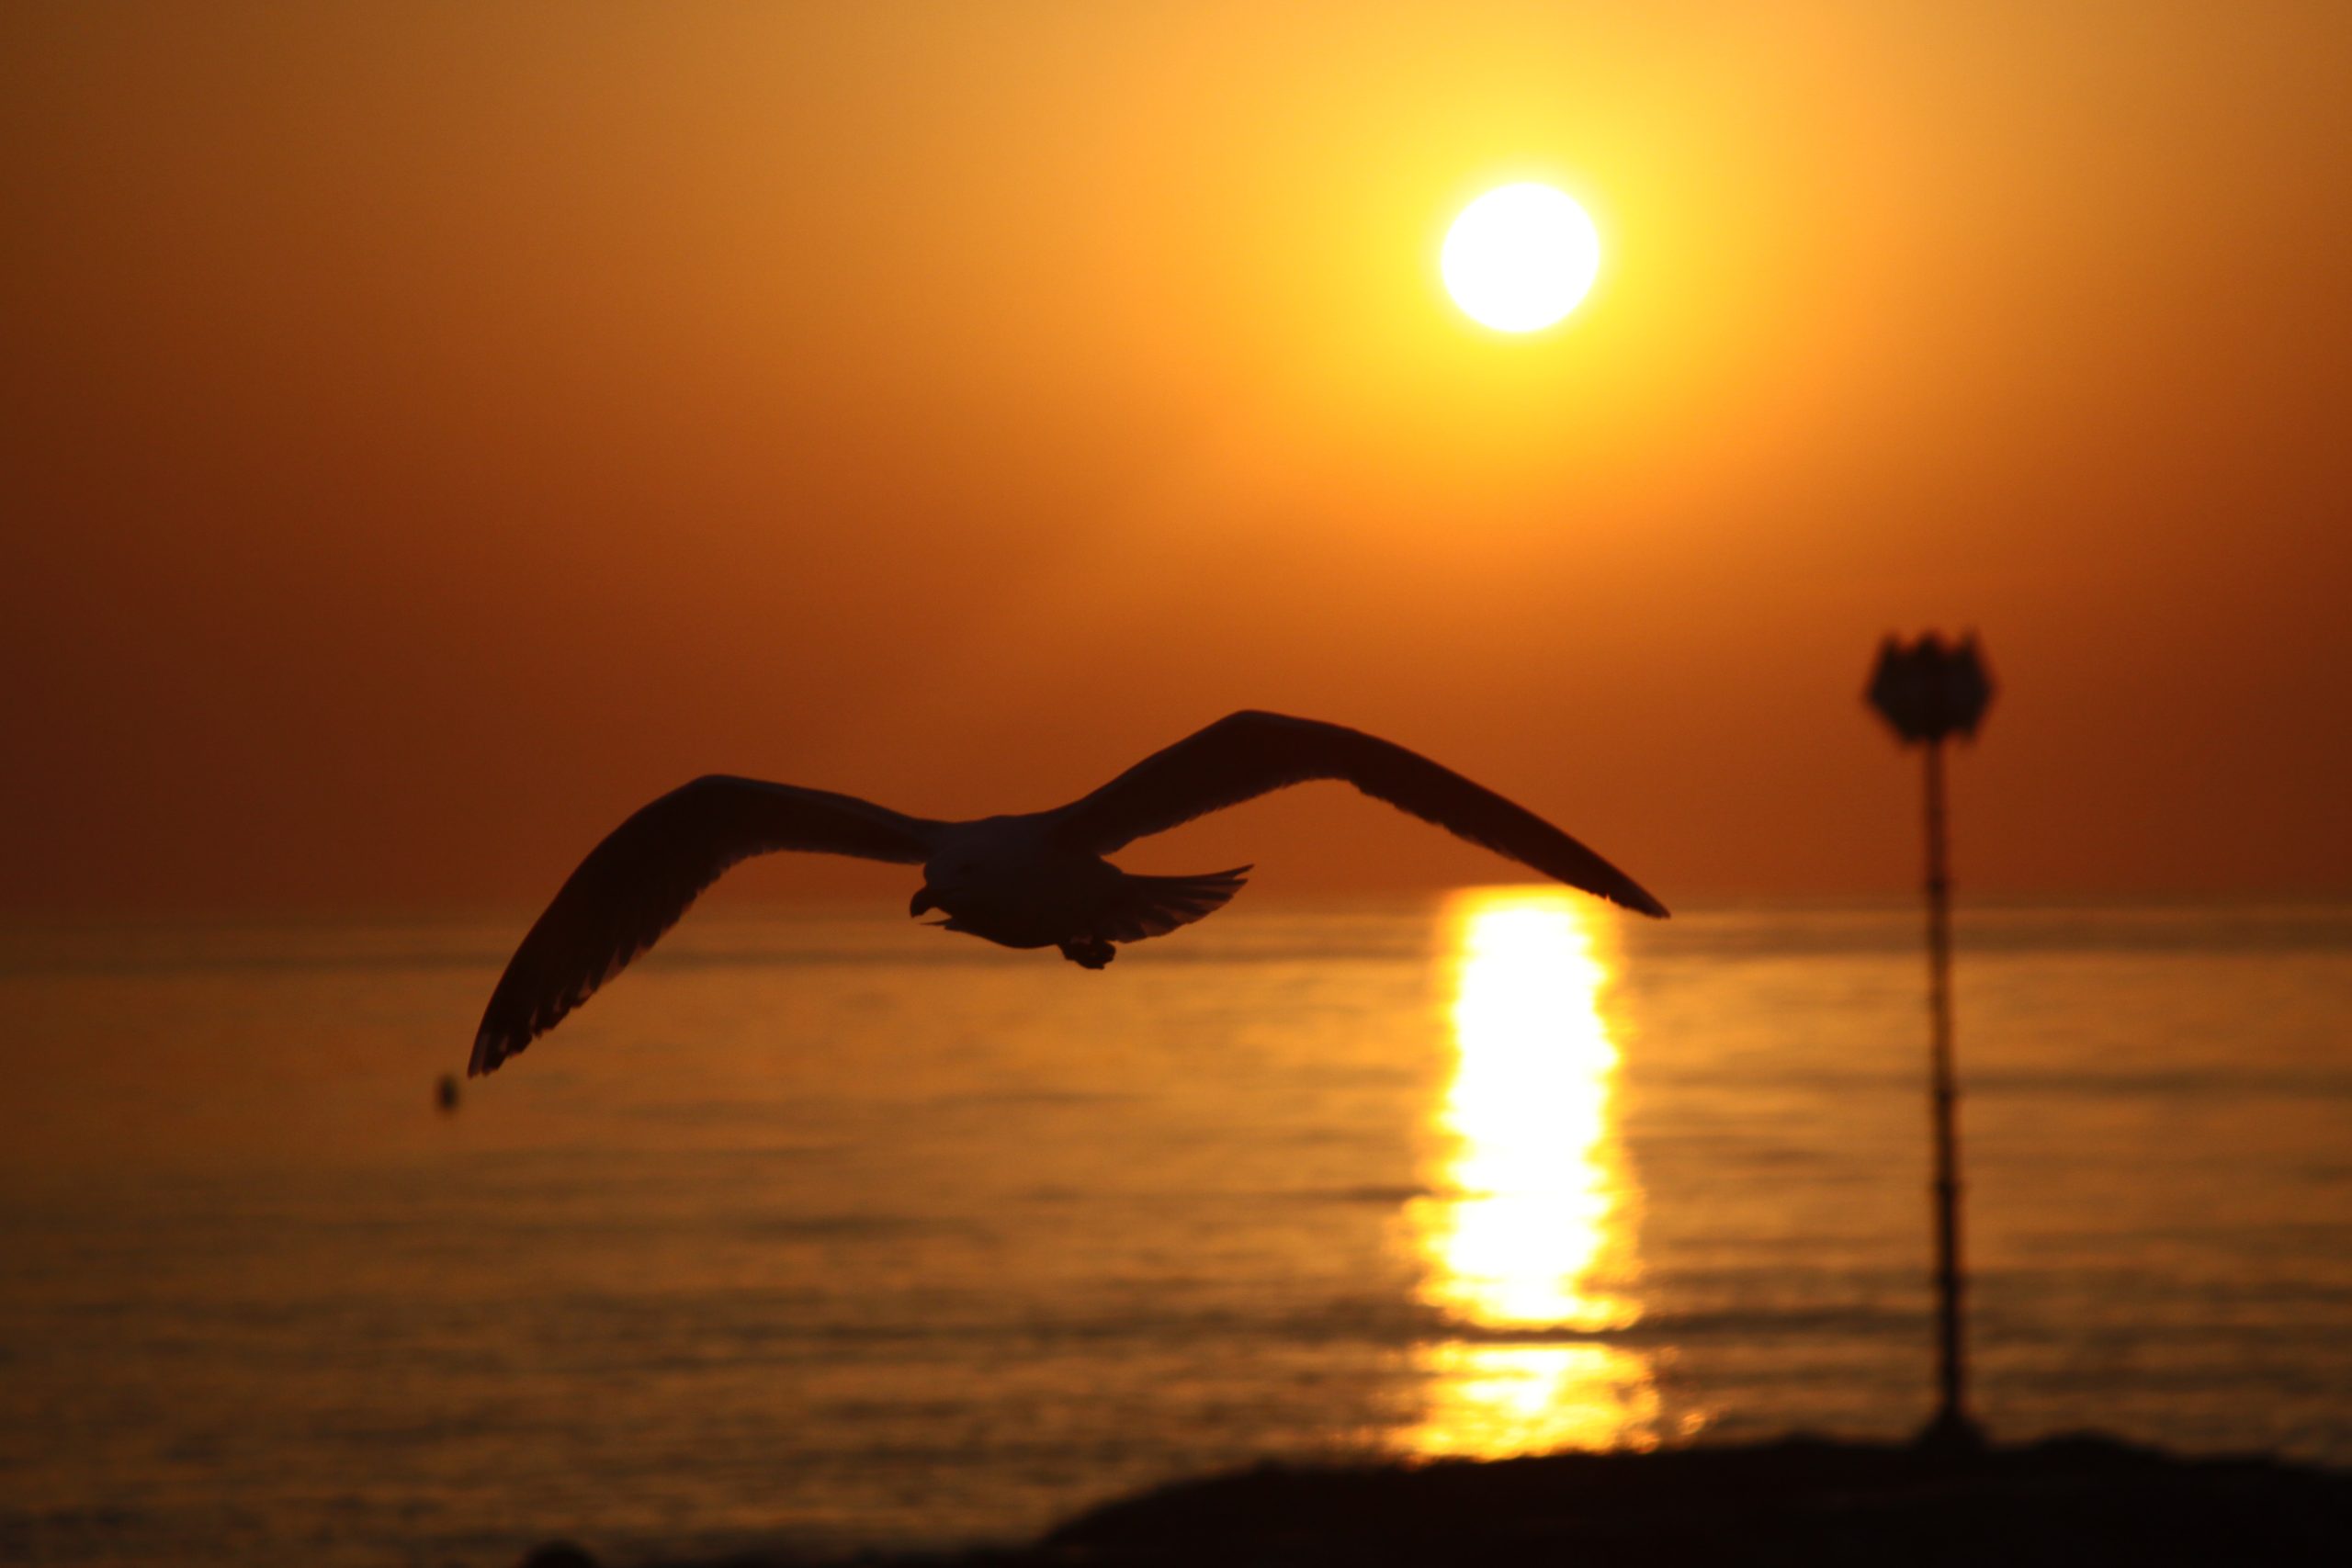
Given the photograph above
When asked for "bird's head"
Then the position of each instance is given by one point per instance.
(943, 881)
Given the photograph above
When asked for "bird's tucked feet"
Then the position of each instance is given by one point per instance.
(1091, 953)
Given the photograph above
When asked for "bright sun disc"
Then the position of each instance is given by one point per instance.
(1521, 257)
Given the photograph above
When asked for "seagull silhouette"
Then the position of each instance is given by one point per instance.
(1033, 880)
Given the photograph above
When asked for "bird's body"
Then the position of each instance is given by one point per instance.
(1038, 879)
(1022, 881)
(1005, 880)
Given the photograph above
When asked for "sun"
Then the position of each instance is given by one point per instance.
(1521, 257)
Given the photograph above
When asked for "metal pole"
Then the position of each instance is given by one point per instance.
(1952, 1421)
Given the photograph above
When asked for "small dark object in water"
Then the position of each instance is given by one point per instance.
(445, 1094)
(558, 1554)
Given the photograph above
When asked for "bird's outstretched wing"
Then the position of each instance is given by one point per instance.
(1246, 755)
(635, 884)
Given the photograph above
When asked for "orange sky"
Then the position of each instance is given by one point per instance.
(430, 431)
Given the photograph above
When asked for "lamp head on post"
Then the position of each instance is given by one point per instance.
(1928, 689)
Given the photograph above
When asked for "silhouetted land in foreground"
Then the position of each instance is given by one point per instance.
(2071, 1501)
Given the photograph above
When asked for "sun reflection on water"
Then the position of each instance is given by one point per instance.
(1528, 1238)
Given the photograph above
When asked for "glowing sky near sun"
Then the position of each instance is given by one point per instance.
(431, 433)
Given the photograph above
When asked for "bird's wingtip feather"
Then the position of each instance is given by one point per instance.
(490, 1049)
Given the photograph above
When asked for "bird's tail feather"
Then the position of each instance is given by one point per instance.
(1153, 906)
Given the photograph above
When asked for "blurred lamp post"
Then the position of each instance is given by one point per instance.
(1927, 691)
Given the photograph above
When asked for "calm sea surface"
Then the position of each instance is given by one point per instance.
(832, 1232)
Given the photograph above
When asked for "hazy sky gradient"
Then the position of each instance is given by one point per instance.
(428, 432)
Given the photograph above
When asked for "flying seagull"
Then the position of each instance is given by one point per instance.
(1034, 880)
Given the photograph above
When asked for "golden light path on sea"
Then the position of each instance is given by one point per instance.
(1528, 1235)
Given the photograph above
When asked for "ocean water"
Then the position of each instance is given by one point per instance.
(823, 1231)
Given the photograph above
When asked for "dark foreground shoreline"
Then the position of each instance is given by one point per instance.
(1800, 1502)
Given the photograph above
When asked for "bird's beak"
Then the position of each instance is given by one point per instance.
(923, 903)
